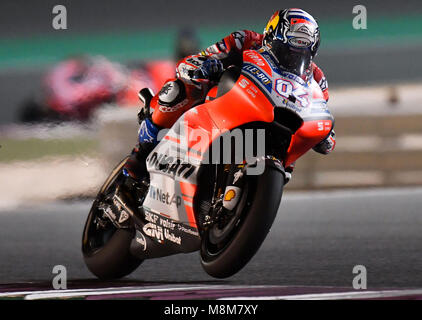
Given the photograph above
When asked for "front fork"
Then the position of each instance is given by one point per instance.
(234, 185)
(235, 181)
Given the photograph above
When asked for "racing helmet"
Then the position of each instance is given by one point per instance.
(292, 38)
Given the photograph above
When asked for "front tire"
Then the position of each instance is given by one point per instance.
(254, 222)
(106, 251)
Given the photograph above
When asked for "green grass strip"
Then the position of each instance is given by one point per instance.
(147, 44)
(30, 149)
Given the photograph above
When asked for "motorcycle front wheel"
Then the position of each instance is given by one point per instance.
(225, 250)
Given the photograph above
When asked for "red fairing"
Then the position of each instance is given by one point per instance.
(310, 134)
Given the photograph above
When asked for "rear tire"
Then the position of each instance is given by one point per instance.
(264, 195)
(114, 260)
(111, 259)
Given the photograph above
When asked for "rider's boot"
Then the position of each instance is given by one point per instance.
(135, 168)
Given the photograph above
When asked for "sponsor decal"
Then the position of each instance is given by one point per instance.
(170, 165)
(171, 237)
(160, 228)
(250, 89)
(150, 217)
(255, 58)
(258, 75)
(230, 195)
(156, 219)
(167, 223)
(160, 220)
(293, 77)
(300, 42)
(154, 231)
(244, 83)
(173, 108)
(181, 227)
(164, 197)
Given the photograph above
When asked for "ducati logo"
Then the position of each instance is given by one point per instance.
(172, 166)
(123, 217)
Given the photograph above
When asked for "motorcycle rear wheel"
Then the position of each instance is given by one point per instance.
(106, 251)
(257, 210)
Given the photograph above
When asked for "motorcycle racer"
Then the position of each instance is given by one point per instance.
(292, 38)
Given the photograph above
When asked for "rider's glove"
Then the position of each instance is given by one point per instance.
(210, 69)
(327, 145)
(148, 132)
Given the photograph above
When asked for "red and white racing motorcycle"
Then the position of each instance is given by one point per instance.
(224, 209)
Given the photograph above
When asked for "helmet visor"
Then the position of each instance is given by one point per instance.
(294, 60)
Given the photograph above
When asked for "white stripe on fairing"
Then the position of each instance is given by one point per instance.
(335, 296)
(187, 203)
(51, 294)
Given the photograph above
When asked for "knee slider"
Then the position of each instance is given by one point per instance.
(171, 94)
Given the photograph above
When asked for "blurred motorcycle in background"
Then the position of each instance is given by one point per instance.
(75, 88)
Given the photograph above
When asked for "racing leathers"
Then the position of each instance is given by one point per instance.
(195, 75)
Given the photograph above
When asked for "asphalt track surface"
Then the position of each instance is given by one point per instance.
(315, 242)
